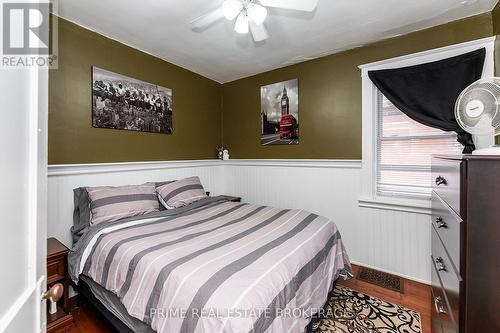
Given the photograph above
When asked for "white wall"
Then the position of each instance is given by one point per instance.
(393, 241)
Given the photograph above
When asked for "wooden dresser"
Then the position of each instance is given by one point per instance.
(466, 244)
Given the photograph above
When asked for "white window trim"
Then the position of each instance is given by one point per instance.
(369, 197)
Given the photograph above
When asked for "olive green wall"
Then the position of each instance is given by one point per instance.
(496, 31)
(329, 99)
(72, 139)
(329, 95)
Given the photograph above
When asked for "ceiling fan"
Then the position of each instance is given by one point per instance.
(250, 14)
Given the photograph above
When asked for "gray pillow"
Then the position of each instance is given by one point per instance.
(158, 184)
(113, 203)
(81, 213)
(181, 193)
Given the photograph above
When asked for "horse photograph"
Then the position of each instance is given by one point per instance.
(121, 102)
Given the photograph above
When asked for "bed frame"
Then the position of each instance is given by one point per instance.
(86, 292)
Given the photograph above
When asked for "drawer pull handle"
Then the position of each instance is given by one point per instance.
(440, 223)
(440, 264)
(438, 303)
(441, 181)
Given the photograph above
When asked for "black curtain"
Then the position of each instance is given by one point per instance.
(427, 93)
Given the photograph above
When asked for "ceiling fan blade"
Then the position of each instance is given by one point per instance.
(256, 13)
(259, 31)
(241, 25)
(304, 5)
(232, 8)
(207, 19)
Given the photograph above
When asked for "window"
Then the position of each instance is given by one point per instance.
(395, 173)
(404, 150)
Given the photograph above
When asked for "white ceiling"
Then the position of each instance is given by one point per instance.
(161, 28)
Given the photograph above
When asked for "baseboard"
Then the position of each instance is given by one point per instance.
(392, 272)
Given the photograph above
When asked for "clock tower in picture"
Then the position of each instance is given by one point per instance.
(280, 113)
(285, 102)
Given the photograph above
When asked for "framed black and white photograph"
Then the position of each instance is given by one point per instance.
(280, 113)
(124, 103)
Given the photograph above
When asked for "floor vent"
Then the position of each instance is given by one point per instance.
(381, 279)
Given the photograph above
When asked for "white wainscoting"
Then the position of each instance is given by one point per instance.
(389, 240)
(399, 242)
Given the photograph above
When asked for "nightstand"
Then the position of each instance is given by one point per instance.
(231, 198)
(62, 320)
(227, 197)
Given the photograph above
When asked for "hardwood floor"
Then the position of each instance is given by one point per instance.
(417, 296)
(88, 320)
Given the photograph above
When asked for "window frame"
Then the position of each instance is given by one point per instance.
(369, 196)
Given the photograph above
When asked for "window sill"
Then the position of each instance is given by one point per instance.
(419, 206)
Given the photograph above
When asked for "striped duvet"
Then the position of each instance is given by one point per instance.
(216, 266)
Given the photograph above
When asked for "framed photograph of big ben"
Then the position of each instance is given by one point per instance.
(280, 113)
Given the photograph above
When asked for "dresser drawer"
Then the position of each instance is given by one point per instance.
(446, 275)
(446, 181)
(442, 321)
(448, 225)
(440, 311)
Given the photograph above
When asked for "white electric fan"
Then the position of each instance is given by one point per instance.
(477, 111)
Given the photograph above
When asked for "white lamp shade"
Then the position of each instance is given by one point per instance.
(257, 13)
(231, 8)
(241, 25)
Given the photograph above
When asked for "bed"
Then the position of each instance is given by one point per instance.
(211, 266)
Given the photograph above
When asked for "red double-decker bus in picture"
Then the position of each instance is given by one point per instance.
(289, 128)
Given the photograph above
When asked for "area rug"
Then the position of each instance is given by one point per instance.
(350, 311)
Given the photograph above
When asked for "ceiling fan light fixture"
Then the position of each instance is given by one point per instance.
(251, 14)
(232, 8)
(257, 13)
(259, 31)
(241, 25)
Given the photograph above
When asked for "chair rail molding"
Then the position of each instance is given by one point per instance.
(74, 169)
(302, 163)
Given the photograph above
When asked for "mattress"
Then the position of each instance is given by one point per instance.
(216, 266)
